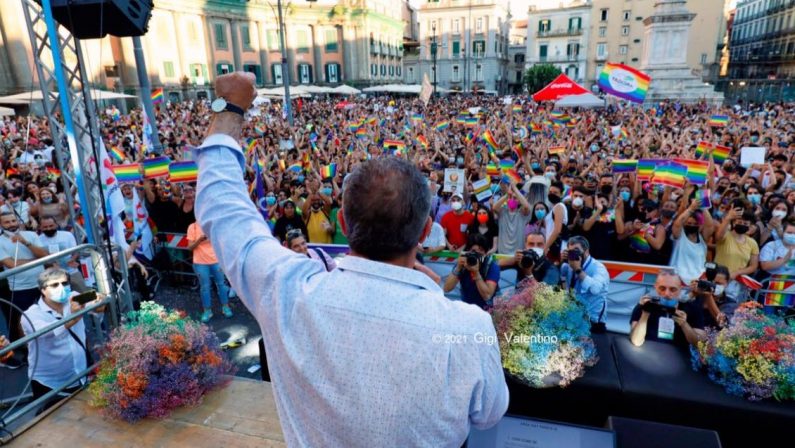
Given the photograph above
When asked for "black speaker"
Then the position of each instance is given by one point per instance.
(92, 19)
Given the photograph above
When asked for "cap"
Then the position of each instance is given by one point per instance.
(457, 195)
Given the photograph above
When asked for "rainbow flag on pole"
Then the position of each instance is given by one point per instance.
(624, 82)
(670, 174)
(489, 140)
(117, 153)
(422, 141)
(519, 150)
(719, 121)
(492, 170)
(251, 144)
(624, 166)
(720, 153)
(696, 170)
(328, 171)
(511, 175)
(127, 173)
(156, 167)
(186, 171)
(157, 96)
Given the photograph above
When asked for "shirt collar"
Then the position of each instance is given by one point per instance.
(49, 310)
(388, 271)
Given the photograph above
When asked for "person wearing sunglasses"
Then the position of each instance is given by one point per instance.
(664, 316)
(296, 242)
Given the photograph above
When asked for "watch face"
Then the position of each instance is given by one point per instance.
(219, 105)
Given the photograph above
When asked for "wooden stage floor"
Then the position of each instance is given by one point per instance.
(241, 415)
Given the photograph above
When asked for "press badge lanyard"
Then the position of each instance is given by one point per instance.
(665, 328)
(575, 279)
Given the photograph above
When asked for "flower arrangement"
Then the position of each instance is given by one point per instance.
(157, 361)
(544, 335)
(754, 356)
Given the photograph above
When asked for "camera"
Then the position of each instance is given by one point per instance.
(473, 258)
(574, 254)
(529, 259)
(705, 286)
(661, 305)
(711, 270)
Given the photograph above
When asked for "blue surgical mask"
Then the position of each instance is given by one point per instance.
(63, 295)
(668, 303)
(549, 174)
(541, 213)
(625, 196)
(327, 191)
(270, 200)
(301, 178)
(755, 198)
(789, 239)
(594, 147)
(535, 165)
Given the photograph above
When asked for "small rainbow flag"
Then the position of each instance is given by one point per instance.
(157, 96)
(115, 114)
(492, 170)
(646, 168)
(557, 150)
(489, 140)
(354, 125)
(519, 150)
(261, 164)
(624, 166)
(623, 135)
(371, 121)
(507, 164)
(703, 148)
(328, 171)
(117, 153)
(671, 174)
(624, 82)
(259, 128)
(361, 132)
(781, 291)
(471, 122)
(156, 167)
(719, 121)
(442, 125)
(470, 137)
(702, 196)
(12, 172)
(638, 242)
(511, 175)
(517, 108)
(397, 145)
(422, 141)
(53, 171)
(416, 119)
(296, 167)
(251, 144)
(696, 170)
(535, 128)
(720, 154)
(186, 171)
(128, 173)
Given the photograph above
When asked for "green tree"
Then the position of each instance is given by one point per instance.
(539, 75)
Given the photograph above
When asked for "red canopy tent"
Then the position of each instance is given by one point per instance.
(561, 87)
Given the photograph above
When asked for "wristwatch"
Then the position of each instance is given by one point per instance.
(221, 105)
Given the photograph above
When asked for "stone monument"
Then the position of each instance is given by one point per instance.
(664, 56)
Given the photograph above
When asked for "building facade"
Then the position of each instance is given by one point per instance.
(560, 36)
(190, 42)
(517, 56)
(471, 41)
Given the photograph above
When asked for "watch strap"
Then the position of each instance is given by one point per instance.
(232, 108)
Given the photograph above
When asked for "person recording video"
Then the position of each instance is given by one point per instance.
(478, 273)
(533, 261)
(587, 279)
(662, 316)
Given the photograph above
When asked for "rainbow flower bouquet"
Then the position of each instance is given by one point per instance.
(753, 357)
(544, 335)
(157, 361)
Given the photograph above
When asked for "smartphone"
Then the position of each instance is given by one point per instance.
(85, 297)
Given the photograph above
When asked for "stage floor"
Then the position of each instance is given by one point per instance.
(241, 415)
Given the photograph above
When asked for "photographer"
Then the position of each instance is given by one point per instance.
(662, 317)
(587, 279)
(479, 274)
(532, 261)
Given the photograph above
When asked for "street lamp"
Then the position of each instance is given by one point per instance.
(288, 106)
(433, 55)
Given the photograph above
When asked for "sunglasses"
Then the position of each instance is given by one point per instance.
(55, 285)
(294, 234)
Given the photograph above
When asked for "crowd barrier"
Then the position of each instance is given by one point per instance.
(628, 281)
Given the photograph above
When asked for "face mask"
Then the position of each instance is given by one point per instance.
(270, 200)
(541, 213)
(719, 289)
(513, 204)
(456, 205)
(539, 251)
(625, 196)
(740, 229)
(63, 295)
(553, 198)
(577, 202)
(755, 198)
(668, 303)
(606, 189)
(789, 239)
(668, 213)
(459, 161)
(594, 148)
(535, 166)
(46, 200)
(691, 230)
(11, 230)
(549, 174)
(327, 191)
(721, 188)
(674, 196)
(301, 179)
(50, 233)
(754, 138)
(779, 214)
(483, 219)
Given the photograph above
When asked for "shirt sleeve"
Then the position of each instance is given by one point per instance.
(191, 235)
(768, 252)
(490, 398)
(494, 272)
(598, 281)
(754, 247)
(635, 314)
(258, 267)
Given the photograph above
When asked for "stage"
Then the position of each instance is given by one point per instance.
(241, 415)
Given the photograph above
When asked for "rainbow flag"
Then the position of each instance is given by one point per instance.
(361, 132)
(719, 121)
(470, 137)
(511, 175)
(471, 122)
(535, 128)
(371, 121)
(186, 171)
(416, 119)
(517, 108)
(259, 128)
(671, 174)
(422, 141)
(646, 168)
(623, 135)
(397, 145)
(156, 167)
(157, 96)
(696, 170)
(115, 114)
(702, 196)
(461, 119)
(557, 150)
(127, 173)
(638, 242)
(703, 148)
(782, 293)
(12, 172)
(328, 171)
(296, 167)
(720, 154)
(624, 166)
(624, 82)
(53, 171)
(442, 125)
(519, 150)
(117, 153)
(251, 144)
(507, 164)
(489, 140)
(492, 170)
(261, 164)
(353, 126)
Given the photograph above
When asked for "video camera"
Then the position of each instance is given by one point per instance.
(574, 254)
(529, 259)
(473, 258)
(661, 305)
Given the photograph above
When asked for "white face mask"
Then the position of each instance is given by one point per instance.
(456, 205)
(779, 214)
(538, 250)
(719, 289)
(577, 202)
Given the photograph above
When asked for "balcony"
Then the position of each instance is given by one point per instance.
(601, 57)
(564, 32)
(562, 58)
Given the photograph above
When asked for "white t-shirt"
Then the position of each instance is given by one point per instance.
(688, 257)
(27, 279)
(549, 221)
(436, 237)
(774, 250)
(61, 241)
(21, 209)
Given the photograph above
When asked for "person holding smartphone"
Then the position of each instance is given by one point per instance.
(587, 279)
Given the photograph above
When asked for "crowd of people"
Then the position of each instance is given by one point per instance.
(550, 185)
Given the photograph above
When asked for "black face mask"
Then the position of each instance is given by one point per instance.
(721, 189)
(553, 198)
(50, 233)
(668, 213)
(606, 189)
(741, 229)
(691, 230)
(11, 229)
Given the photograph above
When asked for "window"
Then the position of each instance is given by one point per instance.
(637, 41)
(332, 72)
(518, 58)
(573, 50)
(456, 49)
(542, 52)
(626, 15)
(245, 37)
(601, 50)
(410, 75)
(273, 40)
(544, 26)
(304, 73)
(575, 23)
(478, 72)
(456, 76)
(703, 58)
(456, 26)
(625, 31)
(622, 49)
(639, 19)
(373, 70)
(276, 73)
(479, 48)
(602, 31)
(112, 71)
(223, 69)
(383, 70)
(331, 41)
(168, 69)
(397, 70)
(255, 69)
(220, 36)
(302, 41)
(391, 70)
(603, 14)
(518, 76)
(479, 25)
(198, 73)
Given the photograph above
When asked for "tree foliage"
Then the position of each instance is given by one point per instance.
(539, 75)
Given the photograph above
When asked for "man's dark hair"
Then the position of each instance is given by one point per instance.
(477, 239)
(386, 205)
(581, 241)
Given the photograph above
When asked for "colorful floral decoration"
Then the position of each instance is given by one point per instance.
(544, 335)
(754, 356)
(156, 362)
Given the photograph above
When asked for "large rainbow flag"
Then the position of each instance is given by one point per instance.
(624, 82)
(696, 170)
(185, 171)
(624, 166)
(127, 173)
(646, 168)
(670, 174)
(156, 167)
